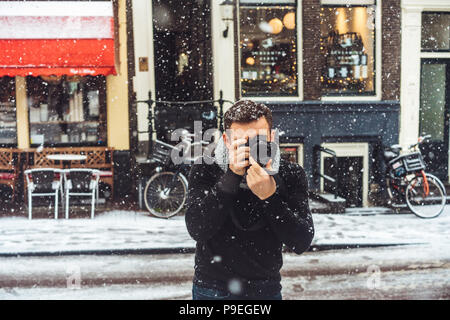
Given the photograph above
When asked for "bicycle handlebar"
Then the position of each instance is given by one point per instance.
(421, 139)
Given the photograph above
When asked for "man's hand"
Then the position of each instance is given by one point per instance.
(259, 181)
(238, 156)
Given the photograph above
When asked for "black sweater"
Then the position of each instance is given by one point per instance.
(240, 237)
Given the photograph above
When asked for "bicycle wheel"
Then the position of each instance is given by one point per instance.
(162, 201)
(425, 201)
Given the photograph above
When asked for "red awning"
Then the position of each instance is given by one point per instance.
(56, 38)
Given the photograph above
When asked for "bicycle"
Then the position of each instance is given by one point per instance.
(407, 182)
(166, 190)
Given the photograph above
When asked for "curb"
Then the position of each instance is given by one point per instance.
(150, 251)
(325, 247)
(142, 251)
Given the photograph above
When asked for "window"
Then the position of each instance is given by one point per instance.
(268, 52)
(8, 131)
(289, 154)
(348, 46)
(436, 31)
(67, 110)
(292, 152)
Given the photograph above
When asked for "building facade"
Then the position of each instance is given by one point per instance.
(425, 91)
(329, 70)
(64, 78)
(352, 76)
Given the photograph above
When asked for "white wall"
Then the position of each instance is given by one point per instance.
(411, 63)
(223, 55)
(410, 75)
(144, 81)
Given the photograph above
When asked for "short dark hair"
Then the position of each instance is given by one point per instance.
(245, 111)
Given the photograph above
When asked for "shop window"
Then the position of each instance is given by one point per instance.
(292, 152)
(8, 131)
(289, 154)
(348, 45)
(67, 110)
(436, 31)
(268, 48)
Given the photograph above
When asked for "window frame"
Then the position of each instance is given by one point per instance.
(421, 26)
(299, 46)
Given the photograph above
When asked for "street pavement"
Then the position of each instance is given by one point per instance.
(400, 272)
(137, 232)
(123, 255)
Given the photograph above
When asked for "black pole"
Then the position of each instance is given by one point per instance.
(150, 122)
(336, 182)
(221, 102)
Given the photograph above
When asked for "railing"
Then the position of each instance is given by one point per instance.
(335, 181)
(150, 102)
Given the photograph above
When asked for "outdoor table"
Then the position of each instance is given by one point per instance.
(66, 158)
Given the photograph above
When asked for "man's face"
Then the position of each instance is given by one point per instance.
(248, 130)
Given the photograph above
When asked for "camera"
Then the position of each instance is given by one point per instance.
(261, 150)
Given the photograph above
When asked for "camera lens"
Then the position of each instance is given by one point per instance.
(261, 150)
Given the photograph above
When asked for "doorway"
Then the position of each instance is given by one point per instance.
(183, 64)
(350, 179)
(434, 114)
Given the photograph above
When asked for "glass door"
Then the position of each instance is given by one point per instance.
(183, 64)
(434, 114)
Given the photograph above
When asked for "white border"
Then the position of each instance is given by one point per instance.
(426, 5)
(435, 55)
(56, 8)
(72, 27)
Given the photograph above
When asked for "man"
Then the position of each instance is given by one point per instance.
(241, 214)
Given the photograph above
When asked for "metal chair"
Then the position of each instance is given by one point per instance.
(43, 182)
(81, 182)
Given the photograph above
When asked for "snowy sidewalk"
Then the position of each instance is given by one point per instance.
(122, 231)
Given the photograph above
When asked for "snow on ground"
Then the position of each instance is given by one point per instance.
(110, 292)
(113, 230)
(120, 230)
(399, 272)
(381, 228)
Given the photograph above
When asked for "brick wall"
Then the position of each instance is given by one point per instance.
(391, 49)
(312, 59)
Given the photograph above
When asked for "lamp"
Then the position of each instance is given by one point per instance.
(226, 11)
(289, 20)
(276, 25)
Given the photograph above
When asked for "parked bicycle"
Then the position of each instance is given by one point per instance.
(407, 182)
(166, 190)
